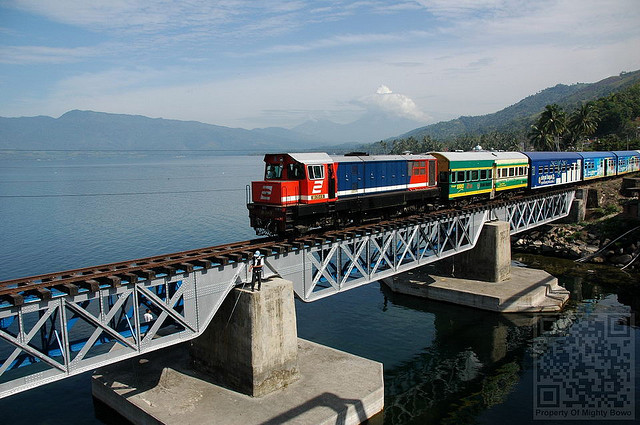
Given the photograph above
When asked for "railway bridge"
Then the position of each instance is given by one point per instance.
(61, 324)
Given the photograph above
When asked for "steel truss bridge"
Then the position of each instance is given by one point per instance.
(62, 324)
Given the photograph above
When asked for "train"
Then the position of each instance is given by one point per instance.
(306, 191)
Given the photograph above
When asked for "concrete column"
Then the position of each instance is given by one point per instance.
(253, 347)
(578, 208)
(489, 260)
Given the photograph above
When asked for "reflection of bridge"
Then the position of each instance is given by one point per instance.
(75, 322)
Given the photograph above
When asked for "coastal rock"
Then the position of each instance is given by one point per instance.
(621, 259)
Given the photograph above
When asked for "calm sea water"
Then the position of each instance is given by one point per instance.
(442, 363)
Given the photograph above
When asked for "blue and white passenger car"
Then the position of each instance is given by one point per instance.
(627, 161)
(596, 165)
(553, 168)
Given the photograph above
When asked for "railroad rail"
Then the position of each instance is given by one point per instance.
(60, 324)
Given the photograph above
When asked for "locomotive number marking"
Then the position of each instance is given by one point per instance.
(317, 187)
(265, 195)
(317, 197)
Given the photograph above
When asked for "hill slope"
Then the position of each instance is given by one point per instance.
(518, 117)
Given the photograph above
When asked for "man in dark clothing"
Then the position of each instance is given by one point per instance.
(256, 268)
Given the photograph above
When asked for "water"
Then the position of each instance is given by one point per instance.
(442, 363)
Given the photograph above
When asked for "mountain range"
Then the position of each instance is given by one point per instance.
(89, 130)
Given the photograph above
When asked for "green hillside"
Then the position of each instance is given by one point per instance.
(516, 119)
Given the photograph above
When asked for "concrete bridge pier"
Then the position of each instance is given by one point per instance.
(484, 278)
(247, 367)
(578, 209)
(251, 346)
(489, 260)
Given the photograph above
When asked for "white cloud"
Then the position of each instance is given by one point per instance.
(395, 104)
(475, 58)
(45, 54)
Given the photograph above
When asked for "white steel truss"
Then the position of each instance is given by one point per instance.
(42, 341)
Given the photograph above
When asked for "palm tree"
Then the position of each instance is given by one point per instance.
(553, 121)
(583, 122)
(539, 138)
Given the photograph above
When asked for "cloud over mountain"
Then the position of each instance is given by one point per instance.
(395, 104)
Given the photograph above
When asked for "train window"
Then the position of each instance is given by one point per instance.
(474, 175)
(483, 174)
(512, 172)
(452, 176)
(540, 169)
(460, 176)
(316, 172)
(295, 172)
(419, 168)
(273, 171)
(546, 169)
(489, 173)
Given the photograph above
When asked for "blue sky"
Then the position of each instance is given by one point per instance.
(243, 63)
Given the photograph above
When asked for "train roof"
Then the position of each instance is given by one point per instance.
(480, 156)
(312, 157)
(372, 158)
(597, 154)
(627, 153)
(550, 156)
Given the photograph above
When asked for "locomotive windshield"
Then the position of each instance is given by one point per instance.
(273, 171)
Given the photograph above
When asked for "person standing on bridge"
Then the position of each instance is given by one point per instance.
(256, 268)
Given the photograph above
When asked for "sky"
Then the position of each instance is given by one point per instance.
(252, 63)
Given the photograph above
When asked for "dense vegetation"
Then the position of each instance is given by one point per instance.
(611, 122)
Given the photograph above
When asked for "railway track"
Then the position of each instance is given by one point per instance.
(92, 279)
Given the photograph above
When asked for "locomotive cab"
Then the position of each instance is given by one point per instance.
(294, 186)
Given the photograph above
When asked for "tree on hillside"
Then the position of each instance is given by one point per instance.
(541, 140)
(583, 122)
(553, 121)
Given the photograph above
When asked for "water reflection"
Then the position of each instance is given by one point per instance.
(472, 364)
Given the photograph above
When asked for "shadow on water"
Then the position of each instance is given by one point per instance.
(473, 363)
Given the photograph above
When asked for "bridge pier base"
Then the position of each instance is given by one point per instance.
(251, 346)
(483, 278)
(489, 260)
(578, 209)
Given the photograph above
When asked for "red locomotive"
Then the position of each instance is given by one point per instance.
(302, 191)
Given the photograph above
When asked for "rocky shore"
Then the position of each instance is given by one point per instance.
(599, 239)
(589, 241)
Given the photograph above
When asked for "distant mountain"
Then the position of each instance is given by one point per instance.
(88, 130)
(518, 117)
(371, 126)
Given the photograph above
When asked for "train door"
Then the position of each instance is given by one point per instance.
(494, 176)
(332, 182)
(432, 173)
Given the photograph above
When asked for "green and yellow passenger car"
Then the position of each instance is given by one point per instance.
(480, 174)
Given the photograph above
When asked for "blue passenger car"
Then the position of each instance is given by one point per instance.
(596, 165)
(363, 175)
(627, 161)
(553, 168)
